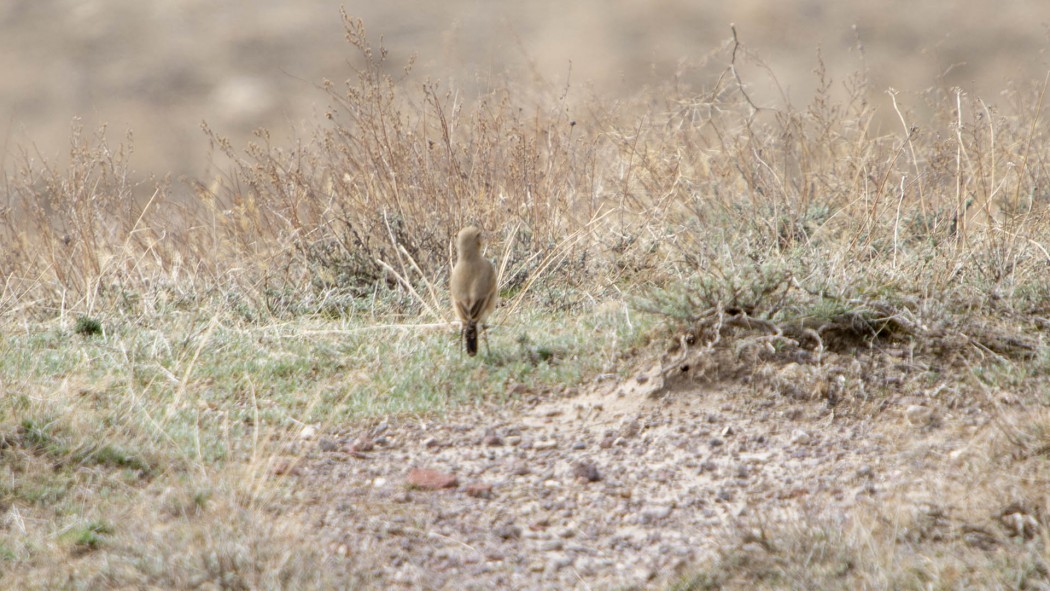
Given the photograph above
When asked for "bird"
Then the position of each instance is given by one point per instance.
(472, 286)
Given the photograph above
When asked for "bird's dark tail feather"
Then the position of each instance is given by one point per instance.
(470, 335)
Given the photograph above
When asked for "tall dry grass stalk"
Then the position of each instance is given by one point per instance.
(676, 182)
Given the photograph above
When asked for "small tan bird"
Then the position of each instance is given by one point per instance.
(473, 286)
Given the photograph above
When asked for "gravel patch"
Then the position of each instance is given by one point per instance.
(606, 489)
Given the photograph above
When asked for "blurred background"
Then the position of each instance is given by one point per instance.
(159, 68)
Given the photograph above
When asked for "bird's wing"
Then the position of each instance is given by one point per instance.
(478, 307)
(486, 288)
(464, 313)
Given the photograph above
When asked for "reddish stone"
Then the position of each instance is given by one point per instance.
(540, 525)
(427, 479)
(794, 493)
(481, 490)
(286, 468)
(362, 444)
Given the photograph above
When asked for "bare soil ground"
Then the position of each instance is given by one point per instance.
(619, 485)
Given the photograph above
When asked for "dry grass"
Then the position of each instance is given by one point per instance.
(163, 353)
(675, 186)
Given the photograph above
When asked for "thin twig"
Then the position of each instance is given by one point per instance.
(740, 83)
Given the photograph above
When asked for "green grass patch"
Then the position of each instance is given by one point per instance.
(87, 327)
(143, 398)
(7, 554)
(87, 537)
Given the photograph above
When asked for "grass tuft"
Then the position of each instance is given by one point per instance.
(87, 327)
(88, 537)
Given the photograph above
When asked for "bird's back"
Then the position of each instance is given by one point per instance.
(473, 288)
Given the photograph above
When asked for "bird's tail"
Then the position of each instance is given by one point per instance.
(470, 335)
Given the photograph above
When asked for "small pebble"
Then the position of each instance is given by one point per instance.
(508, 531)
(918, 415)
(559, 561)
(586, 471)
